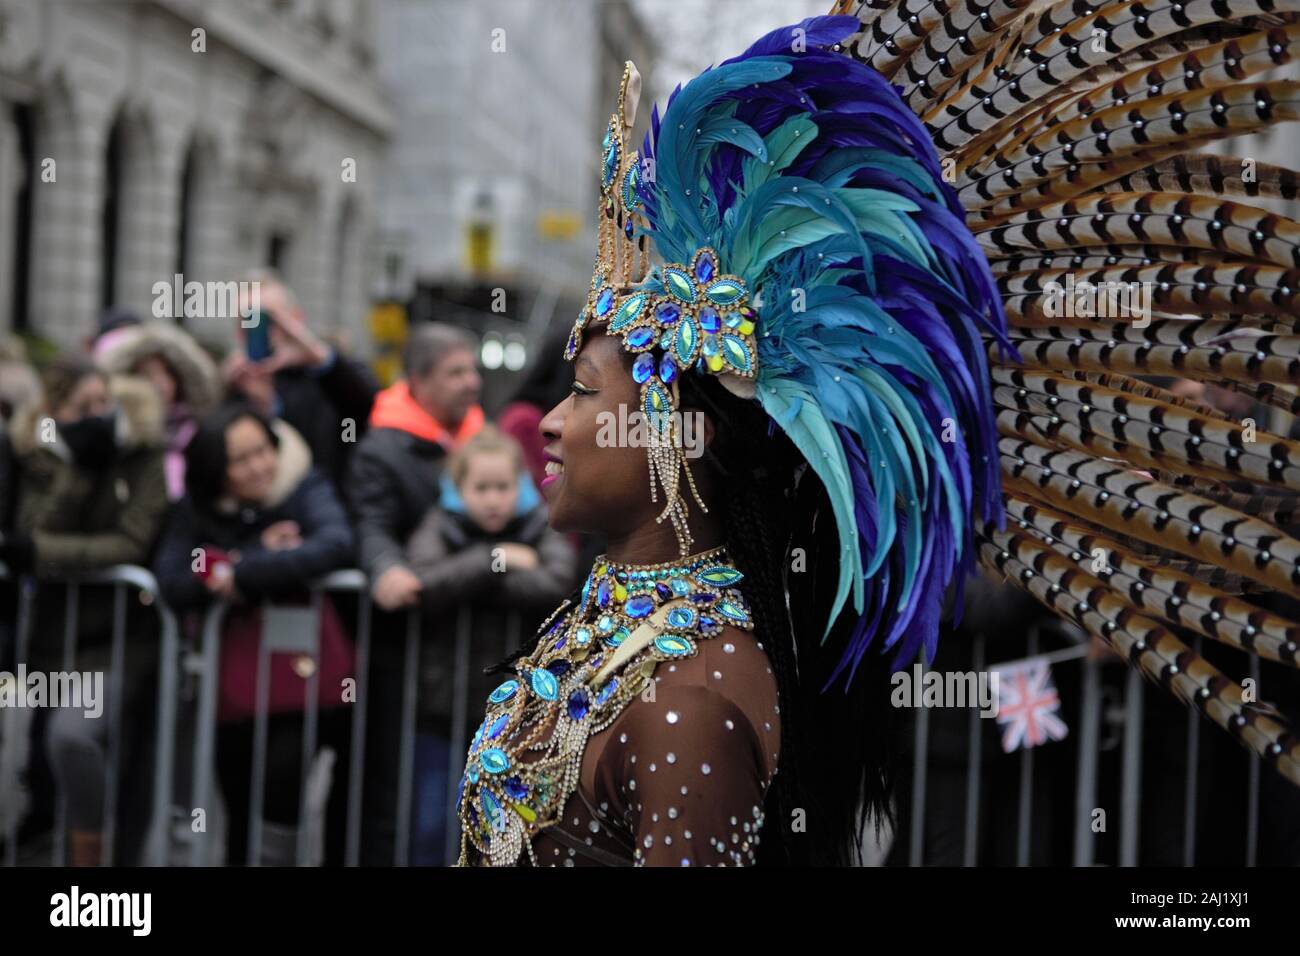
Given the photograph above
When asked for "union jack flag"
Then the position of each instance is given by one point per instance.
(1027, 705)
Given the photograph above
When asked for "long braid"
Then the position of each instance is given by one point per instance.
(838, 747)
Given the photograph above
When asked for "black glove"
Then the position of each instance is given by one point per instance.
(18, 551)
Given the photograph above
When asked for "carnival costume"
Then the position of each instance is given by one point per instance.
(866, 224)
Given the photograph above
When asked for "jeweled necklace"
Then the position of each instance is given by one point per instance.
(590, 661)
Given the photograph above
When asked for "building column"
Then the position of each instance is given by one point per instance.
(149, 214)
(67, 196)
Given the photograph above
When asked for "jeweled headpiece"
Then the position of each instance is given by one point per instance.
(813, 258)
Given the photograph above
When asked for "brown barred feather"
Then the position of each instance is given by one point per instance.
(1080, 162)
(1145, 643)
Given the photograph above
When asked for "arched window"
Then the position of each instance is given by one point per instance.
(114, 166)
(28, 171)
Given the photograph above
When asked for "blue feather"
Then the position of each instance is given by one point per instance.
(816, 184)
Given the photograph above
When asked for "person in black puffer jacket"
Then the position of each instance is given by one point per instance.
(266, 525)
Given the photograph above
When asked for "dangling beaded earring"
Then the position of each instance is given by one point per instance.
(666, 454)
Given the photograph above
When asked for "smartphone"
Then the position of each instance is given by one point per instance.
(257, 336)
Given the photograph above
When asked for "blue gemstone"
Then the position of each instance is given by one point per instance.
(642, 369)
(667, 369)
(627, 228)
(638, 606)
(558, 668)
(602, 593)
(498, 725)
(605, 624)
(594, 662)
(545, 685)
(605, 301)
(607, 691)
(667, 313)
(516, 789)
(581, 635)
(504, 691)
(663, 590)
(494, 760)
(680, 588)
(709, 319)
(681, 617)
(703, 597)
(705, 268)
(492, 810)
(579, 704)
(559, 644)
(706, 623)
(639, 337)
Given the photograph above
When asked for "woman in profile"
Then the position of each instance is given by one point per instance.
(801, 379)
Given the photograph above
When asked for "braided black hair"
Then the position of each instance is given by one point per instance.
(838, 758)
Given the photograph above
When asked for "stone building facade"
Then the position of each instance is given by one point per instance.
(145, 138)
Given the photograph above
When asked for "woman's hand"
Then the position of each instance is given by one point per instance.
(516, 556)
(250, 379)
(221, 582)
(282, 536)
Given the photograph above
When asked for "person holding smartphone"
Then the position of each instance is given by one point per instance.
(287, 371)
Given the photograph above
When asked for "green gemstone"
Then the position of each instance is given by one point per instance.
(627, 312)
(673, 645)
(719, 576)
(725, 291)
(678, 284)
(688, 337)
(735, 353)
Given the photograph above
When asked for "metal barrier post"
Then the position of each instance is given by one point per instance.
(1085, 791)
(1025, 817)
(406, 767)
(921, 751)
(117, 688)
(26, 598)
(1193, 763)
(311, 716)
(206, 729)
(1252, 806)
(459, 727)
(70, 614)
(1131, 782)
(974, 766)
(357, 759)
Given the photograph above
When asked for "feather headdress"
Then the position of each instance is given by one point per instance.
(815, 259)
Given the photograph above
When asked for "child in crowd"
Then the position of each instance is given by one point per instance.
(485, 550)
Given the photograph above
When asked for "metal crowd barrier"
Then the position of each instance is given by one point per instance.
(120, 578)
(295, 630)
(287, 630)
(1089, 748)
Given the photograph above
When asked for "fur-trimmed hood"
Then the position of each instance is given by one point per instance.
(196, 373)
(139, 422)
